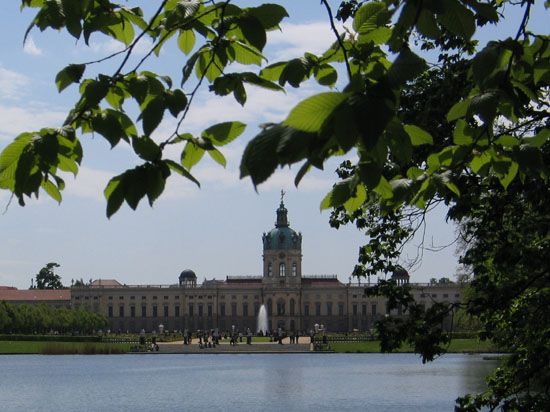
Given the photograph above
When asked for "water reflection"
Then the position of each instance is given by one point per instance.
(246, 382)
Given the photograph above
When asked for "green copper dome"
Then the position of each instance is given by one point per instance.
(282, 237)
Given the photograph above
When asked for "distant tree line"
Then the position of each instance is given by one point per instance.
(17, 318)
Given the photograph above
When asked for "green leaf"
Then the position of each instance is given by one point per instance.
(51, 190)
(191, 155)
(310, 114)
(146, 148)
(176, 101)
(463, 135)
(223, 133)
(480, 161)
(406, 67)
(457, 19)
(507, 141)
(458, 110)
(539, 139)
(427, 24)
(258, 159)
(294, 73)
(384, 189)
(326, 75)
(155, 183)
(269, 15)
(244, 54)
(114, 193)
(70, 74)
(180, 170)
(152, 114)
(485, 105)
(368, 16)
(218, 157)
(418, 136)
(485, 62)
(339, 194)
(273, 72)
(186, 40)
(507, 178)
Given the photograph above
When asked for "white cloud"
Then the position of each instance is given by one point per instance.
(12, 84)
(111, 45)
(31, 48)
(293, 40)
(17, 119)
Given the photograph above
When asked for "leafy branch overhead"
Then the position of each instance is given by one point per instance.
(211, 35)
(469, 129)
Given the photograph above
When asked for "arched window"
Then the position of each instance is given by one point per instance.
(294, 269)
(269, 269)
(282, 269)
(280, 307)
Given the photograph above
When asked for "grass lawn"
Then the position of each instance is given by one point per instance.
(456, 346)
(54, 348)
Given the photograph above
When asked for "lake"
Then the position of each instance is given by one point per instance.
(282, 382)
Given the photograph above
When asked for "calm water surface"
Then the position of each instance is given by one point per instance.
(336, 382)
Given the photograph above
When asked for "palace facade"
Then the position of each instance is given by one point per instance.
(293, 301)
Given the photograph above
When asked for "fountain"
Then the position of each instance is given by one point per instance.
(262, 320)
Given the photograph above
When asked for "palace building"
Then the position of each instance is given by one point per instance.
(293, 301)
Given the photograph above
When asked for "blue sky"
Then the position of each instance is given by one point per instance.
(215, 230)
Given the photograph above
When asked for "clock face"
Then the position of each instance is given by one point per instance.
(281, 255)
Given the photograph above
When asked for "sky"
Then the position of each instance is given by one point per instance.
(215, 230)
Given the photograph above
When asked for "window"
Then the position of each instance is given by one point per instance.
(110, 298)
(233, 309)
(317, 309)
(256, 308)
(445, 295)
(434, 295)
(96, 298)
(340, 309)
(77, 297)
(177, 311)
(155, 311)
(121, 298)
(190, 309)
(364, 310)
(86, 298)
(306, 309)
(233, 296)
(132, 311)
(245, 297)
(281, 307)
(222, 309)
(165, 311)
(457, 295)
(121, 311)
(143, 311)
(166, 298)
(154, 298)
(294, 269)
(201, 312)
(110, 311)
(354, 308)
(292, 307)
(329, 308)
(143, 297)
(245, 309)
(176, 297)
(282, 269)
(209, 310)
(132, 298)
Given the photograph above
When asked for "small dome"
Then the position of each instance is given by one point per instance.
(187, 274)
(282, 238)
